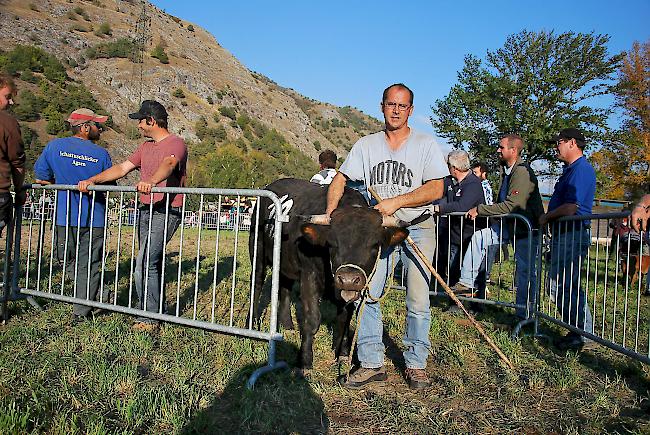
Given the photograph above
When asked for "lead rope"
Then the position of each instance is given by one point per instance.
(364, 298)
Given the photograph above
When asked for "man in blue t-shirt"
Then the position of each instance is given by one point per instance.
(67, 161)
(573, 196)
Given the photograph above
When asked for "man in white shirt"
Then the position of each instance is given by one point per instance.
(327, 160)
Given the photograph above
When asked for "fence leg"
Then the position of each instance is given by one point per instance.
(11, 291)
(521, 324)
(272, 365)
(5, 276)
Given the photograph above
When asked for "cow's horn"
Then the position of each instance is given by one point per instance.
(319, 219)
(392, 221)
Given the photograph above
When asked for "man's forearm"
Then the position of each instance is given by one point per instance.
(423, 195)
(563, 210)
(111, 174)
(335, 192)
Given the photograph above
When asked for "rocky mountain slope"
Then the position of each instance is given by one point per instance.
(200, 79)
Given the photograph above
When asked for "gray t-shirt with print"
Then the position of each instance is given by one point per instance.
(392, 173)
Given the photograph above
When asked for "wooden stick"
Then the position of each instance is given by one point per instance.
(451, 294)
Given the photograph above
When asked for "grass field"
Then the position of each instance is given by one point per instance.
(103, 377)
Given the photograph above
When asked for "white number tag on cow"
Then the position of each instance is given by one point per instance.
(287, 204)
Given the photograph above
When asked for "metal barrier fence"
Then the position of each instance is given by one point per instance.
(467, 250)
(585, 276)
(225, 219)
(580, 276)
(592, 284)
(149, 261)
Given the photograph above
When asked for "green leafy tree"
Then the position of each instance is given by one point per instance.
(104, 29)
(159, 53)
(122, 48)
(243, 121)
(219, 133)
(535, 85)
(29, 106)
(623, 165)
(178, 93)
(201, 128)
(55, 120)
(228, 112)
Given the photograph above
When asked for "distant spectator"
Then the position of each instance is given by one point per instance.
(69, 160)
(462, 192)
(480, 169)
(12, 154)
(327, 160)
(573, 196)
(641, 214)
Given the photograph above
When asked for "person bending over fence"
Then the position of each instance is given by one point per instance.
(463, 191)
(162, 161)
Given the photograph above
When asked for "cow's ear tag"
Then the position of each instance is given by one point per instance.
(315, 234)
(395, 235)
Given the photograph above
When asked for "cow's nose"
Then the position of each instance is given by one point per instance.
(349, 279)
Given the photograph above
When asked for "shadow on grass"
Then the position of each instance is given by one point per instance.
(206, 279)
(607, 364)
(280, 403)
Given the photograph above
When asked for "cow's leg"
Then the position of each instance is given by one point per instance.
(310, 293)
(342, 339)
(284, 303)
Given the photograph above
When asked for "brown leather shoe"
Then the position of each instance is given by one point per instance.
(362, 376)
(462, 290)
(417, 378)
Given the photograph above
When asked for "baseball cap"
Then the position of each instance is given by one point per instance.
(569, 133)
(83, 115)
(150, 108)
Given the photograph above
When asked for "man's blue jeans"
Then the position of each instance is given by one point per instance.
(526, 249)
(370, 347)
(148, 277)
(568, 253)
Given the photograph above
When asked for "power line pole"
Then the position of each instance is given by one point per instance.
(142, 39)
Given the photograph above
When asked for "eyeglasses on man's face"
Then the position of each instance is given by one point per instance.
(392, 105)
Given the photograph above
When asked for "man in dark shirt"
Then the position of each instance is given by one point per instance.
(463, 191)
(12, 153)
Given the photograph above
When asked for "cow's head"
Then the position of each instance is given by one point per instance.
(354, 236)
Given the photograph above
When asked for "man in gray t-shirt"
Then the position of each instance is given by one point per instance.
(406, 169)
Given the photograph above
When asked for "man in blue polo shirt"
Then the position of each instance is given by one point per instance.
(573, 196)
(69, 160)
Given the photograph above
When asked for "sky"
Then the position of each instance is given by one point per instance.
(347, 52)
